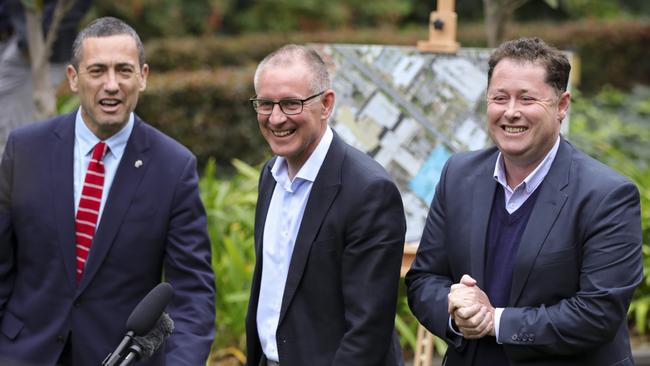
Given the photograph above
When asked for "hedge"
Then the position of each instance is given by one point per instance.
(208, 111)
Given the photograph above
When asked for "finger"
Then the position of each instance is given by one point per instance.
(467, 280)
(465, 313)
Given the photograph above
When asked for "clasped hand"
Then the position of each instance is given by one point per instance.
(471, 309)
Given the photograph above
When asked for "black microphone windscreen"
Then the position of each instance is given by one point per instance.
(148, 310)
(156, 337)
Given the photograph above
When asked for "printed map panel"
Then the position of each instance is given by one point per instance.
(410, 111)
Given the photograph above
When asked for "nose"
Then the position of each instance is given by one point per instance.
(512, 111)
(110, 84)
(277, 116)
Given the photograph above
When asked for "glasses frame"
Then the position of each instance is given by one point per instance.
(254, 100)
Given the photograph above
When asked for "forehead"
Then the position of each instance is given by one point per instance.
(511, 73)
(109, 50)
(284, 80)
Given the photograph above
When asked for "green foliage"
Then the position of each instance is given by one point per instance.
(230, 205)
(614, 128)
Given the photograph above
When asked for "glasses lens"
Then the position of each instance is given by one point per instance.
(263, 106)
(291, 106)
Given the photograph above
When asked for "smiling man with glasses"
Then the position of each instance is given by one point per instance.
(329, 230)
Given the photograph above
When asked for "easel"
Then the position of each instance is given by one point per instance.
(442, 39)
(442, 30)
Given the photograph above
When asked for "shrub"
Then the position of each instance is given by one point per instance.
(230, 205)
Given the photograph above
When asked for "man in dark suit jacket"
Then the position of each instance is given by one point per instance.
(532, 250)
(329, 231)
(151, 222)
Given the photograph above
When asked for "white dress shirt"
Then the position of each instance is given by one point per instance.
(280, 231)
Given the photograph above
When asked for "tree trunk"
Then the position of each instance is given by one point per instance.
(40, 50)
(497, 16)
(43, 93)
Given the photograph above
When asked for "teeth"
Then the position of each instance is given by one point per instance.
(515, 129)
(282, 133)
(109, 102)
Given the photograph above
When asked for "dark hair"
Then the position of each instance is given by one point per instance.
(105, 27)
(289, 54)
(535, 50)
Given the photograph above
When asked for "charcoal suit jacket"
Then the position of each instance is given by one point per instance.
(576, 268)
(339, 302)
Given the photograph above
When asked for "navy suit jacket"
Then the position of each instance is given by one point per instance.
(153, 221)
(577, 266)
(340, 297)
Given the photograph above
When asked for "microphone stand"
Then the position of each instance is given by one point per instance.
(113, 358)
(134, 353)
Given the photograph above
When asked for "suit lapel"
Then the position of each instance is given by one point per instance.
(61, 176)
(482, 199)
(549, 203)
(267, 185)
(323, 192)
(126, 181)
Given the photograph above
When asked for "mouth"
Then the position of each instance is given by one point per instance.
(514, 129)
(109, 104)
(283, 133)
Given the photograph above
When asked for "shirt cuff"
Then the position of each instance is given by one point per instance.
(497, 321)
(453, 328)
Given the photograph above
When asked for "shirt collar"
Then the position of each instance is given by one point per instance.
(116, 143)
(535, 178)
(309, 169)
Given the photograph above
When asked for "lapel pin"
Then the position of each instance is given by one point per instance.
(138, 163)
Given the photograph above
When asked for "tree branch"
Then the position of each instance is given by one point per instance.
(62, 7)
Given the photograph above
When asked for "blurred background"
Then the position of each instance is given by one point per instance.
(202, 55)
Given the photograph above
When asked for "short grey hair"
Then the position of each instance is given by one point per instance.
(292, 53)
(105, 27)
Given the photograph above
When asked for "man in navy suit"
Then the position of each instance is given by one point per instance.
(151, 222)
(532, 249)
(329, 231)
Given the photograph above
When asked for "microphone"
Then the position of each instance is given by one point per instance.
(142, 319)
(144, 347)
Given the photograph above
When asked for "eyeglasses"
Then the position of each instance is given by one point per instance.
(287, 106)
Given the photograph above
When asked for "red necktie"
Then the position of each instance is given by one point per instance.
(88, 210)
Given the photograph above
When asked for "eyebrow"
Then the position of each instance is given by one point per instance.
(119, 64)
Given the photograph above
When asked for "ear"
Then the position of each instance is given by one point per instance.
(328, 99)
(143, 77)
(563, 105)
(71, 73)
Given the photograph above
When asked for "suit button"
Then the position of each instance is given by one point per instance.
(60, 339)
(77, 303)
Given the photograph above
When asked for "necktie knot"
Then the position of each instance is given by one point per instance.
(99, 151)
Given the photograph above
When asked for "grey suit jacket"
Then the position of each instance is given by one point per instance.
(577, 266)
(340, 297)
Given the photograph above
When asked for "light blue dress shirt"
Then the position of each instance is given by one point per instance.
(84, 142)
(515, 197)
(280, 230)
